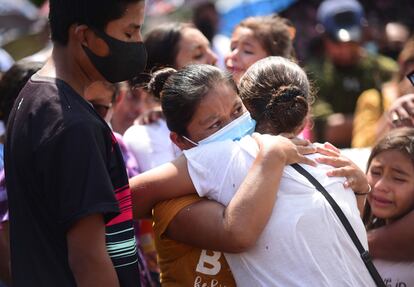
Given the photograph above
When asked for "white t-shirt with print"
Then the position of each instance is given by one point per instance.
(304, 243)
(396, 274)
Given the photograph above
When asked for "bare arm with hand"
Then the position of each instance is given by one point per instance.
(236, 227)
(172, 179)
(344, 167)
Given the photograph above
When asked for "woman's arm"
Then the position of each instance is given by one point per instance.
(236, 227)
(158, 184)
(172, 179)
(394, 241)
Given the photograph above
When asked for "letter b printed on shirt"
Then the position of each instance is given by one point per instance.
(209, 264)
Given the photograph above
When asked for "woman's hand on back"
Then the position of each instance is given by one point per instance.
(343, 166)
(283, 149)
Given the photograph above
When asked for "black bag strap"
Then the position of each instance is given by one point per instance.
(366, 258)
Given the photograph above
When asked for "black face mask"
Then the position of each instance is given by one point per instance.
(125, 61)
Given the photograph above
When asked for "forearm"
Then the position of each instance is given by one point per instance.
(94, 271)
(234, 228)
(394, 241)
(248, 212)
(165, 182)
(87, 253)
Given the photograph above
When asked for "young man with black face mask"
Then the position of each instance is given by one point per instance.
(69, 198)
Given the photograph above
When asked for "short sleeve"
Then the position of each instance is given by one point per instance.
(164, 212)
(207, 165)
(217, 169)
(76, 175)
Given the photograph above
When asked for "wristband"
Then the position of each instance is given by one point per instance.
(364, 193)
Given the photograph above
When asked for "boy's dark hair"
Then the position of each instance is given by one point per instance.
(94, 13)
(182, 91)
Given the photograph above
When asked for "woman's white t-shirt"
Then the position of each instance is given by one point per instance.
(304, 243)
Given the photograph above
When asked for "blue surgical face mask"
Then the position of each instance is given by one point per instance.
(235, 130)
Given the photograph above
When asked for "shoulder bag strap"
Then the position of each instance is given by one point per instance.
(366, 258)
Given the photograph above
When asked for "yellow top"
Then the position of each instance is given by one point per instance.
(368, 113)
(181, 264)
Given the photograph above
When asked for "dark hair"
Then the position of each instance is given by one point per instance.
(206, 18)
(162, 45)
(11, 84)
(405, 59)
(273, 33)
(182, 91)
(94, 13)
(277, 93)
(402, 140)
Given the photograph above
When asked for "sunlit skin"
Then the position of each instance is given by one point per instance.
(391, 176)
(194, 48)
(245, 51)
(217, 109)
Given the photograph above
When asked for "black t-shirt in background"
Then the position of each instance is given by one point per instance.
(62, 163)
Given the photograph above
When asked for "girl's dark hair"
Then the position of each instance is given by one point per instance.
(94, 13)
(402, 140)
(277, 93)
(182, 91)
(273, 33)
(12, 83)
(162, 45)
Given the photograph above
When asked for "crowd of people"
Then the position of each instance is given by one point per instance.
(174, 158)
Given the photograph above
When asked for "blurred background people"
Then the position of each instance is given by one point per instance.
(370, 119)
(151, 144)
(186, 44)
(345, 70)
(207, 19)
(130, 103)
(395, 36)
(256, 38)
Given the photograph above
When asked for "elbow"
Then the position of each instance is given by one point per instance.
(241, 240)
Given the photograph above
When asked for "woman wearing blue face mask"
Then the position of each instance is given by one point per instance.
(199, 102)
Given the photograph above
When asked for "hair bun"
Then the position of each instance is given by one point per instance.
(158, 79)
(287, 93)
(287, 108)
